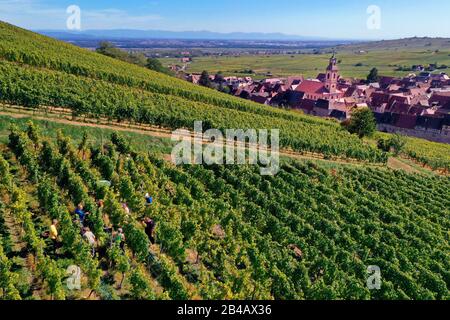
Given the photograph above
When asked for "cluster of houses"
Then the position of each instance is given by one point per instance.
(417, 105)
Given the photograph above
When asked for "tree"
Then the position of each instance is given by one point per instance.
(205, 80)
(219, 78)
(155, 65)
(110, 50)
(384, 145)
(373, 76)
(362, 123)
(397, 143)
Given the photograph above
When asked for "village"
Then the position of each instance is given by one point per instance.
(415, 105)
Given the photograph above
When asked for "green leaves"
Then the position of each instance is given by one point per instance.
(161, 102)
(227, 232)
(8, 279)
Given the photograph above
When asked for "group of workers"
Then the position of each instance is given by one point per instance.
(116, 237)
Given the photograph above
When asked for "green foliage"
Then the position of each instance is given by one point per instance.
(397, 143)
(155, 65)
(129, 194)
(373, 76)
(226, 232)
(171, 240)
(118, 259)
(137, 240)
(53, 276)
(110, 50)
(5, 174)
(33, 133)
(140, 286)
(8, 279)
(205, 80)
(362, 123)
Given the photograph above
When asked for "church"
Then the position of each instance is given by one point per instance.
(325, 87)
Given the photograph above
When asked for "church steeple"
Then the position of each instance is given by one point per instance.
(332, 75)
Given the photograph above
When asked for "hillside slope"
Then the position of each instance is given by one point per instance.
(416, 43)
(222, 232)
(39, 71)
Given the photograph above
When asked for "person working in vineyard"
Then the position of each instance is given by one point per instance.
(149, 225)
(100, 204)
(54, 234)
(119, 237)
(126, 209)
(79, 211)
(148, 199)
(91, 239)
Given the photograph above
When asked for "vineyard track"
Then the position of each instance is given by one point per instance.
(63, 117)
(395, 163)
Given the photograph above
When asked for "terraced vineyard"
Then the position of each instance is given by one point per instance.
(435, 155)
(222, 232)
(36, 71)
(432, 154)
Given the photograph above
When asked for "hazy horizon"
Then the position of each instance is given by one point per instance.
(322, 19)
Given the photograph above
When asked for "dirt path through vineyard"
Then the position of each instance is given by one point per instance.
(163, 133)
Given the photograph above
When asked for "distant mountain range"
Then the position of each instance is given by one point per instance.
(122, 34)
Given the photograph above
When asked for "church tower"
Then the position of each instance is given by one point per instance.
(332, 75)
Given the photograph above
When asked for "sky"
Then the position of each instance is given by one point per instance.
(338, 19)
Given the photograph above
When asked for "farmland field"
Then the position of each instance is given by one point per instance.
(310, 65)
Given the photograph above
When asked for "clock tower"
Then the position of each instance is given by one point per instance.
(332, 75)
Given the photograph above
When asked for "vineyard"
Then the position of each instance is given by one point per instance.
(222, 232)
(432, 154)
(36, 71)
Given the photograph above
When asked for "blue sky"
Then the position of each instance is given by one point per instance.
(323, 18)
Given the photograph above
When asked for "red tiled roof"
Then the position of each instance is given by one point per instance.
(294, 80)
(311, 87)
(385, 81)
(400, 108)
(350, 92)
(398, 99)
(378, 98)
